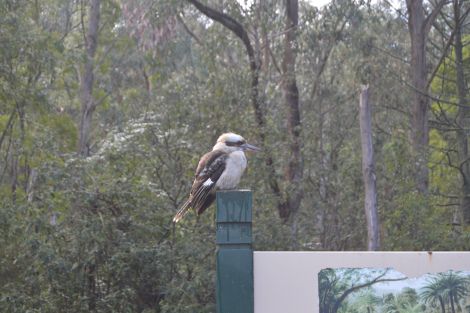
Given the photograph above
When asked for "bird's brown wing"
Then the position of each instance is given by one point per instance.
(209, 169)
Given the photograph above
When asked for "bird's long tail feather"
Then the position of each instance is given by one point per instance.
(182, 212)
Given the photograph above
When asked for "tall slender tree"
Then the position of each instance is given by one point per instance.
(419, 26)
(463, 114)
(88, 103)
(294, 168)
(368, 171)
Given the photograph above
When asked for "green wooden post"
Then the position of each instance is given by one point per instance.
(234, 252)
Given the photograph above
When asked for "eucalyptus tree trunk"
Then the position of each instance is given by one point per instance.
(88, 103)
(463, 116)
(294, 167)
(419, 111)
(418, 27)
(368, 171)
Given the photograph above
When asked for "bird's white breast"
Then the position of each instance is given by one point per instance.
(234, 168)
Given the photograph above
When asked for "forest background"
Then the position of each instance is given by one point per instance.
(107, 105)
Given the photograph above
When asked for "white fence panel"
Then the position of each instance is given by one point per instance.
(287, 282)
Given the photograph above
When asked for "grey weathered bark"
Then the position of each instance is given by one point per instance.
(294, 167)
(463, 115)
(419, 26)
(88, 103)
(368, 171)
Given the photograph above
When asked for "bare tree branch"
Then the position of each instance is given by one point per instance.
(431, 17)
(255, 66)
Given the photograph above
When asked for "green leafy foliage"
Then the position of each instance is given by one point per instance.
(95, 233)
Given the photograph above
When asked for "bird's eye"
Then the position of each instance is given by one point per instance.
(236, 143)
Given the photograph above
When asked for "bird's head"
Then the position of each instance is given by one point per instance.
(230, 142)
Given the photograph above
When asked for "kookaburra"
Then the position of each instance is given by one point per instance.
(220, 169)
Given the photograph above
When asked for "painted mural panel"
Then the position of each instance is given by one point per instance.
(356, 290)
(361, 282)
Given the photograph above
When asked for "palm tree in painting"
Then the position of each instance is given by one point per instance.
(445, 288)
(433, 293)
(455, 286)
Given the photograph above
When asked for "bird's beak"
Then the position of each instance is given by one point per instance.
(249, 147)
